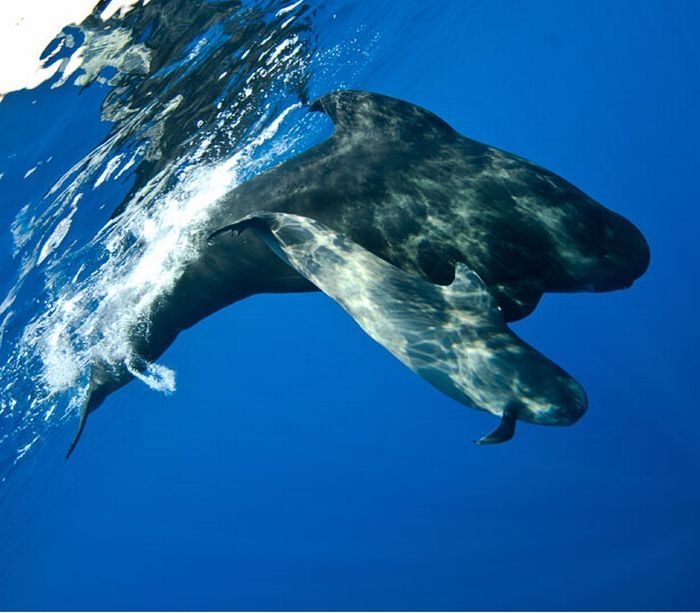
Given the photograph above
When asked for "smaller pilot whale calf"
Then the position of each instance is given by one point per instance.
(453, 336)
(401, 184)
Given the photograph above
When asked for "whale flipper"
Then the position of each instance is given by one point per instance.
(504, 432)
(453, 336)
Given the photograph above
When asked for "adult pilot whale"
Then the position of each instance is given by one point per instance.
(400, 183)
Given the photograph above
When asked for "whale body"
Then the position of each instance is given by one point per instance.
(398, 183)
(454, 336)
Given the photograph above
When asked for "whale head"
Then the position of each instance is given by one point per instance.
(578, 244)
(624, 253)
(607, 252)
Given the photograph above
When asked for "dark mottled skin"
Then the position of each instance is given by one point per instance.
(404, 185)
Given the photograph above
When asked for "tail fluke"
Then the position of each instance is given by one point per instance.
(102, 383)
(81, 426)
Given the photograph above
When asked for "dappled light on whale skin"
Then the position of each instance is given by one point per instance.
(394, 178)
(453, 336)
(400, 183)
(349, 305)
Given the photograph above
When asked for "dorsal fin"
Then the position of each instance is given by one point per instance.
(357, 111)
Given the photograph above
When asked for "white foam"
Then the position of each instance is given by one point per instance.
(97, 300)
(112, 165)
(286, 23)
(20, 229)
(22, 451)
(280, 49)
(7, 303)
(283, 11)
(129, 164)
(157, 377)
(59, 233)
(56, 238)
(95, 319)
(3, 325)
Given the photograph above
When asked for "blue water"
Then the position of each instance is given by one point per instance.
(298, 465)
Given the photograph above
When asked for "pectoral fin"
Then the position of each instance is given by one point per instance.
(504, 432)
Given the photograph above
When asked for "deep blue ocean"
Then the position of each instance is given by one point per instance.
(288, 461)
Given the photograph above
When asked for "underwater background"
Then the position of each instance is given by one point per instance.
(275, 457)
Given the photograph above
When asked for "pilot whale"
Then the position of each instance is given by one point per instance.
(453, 336)
(401, 184)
